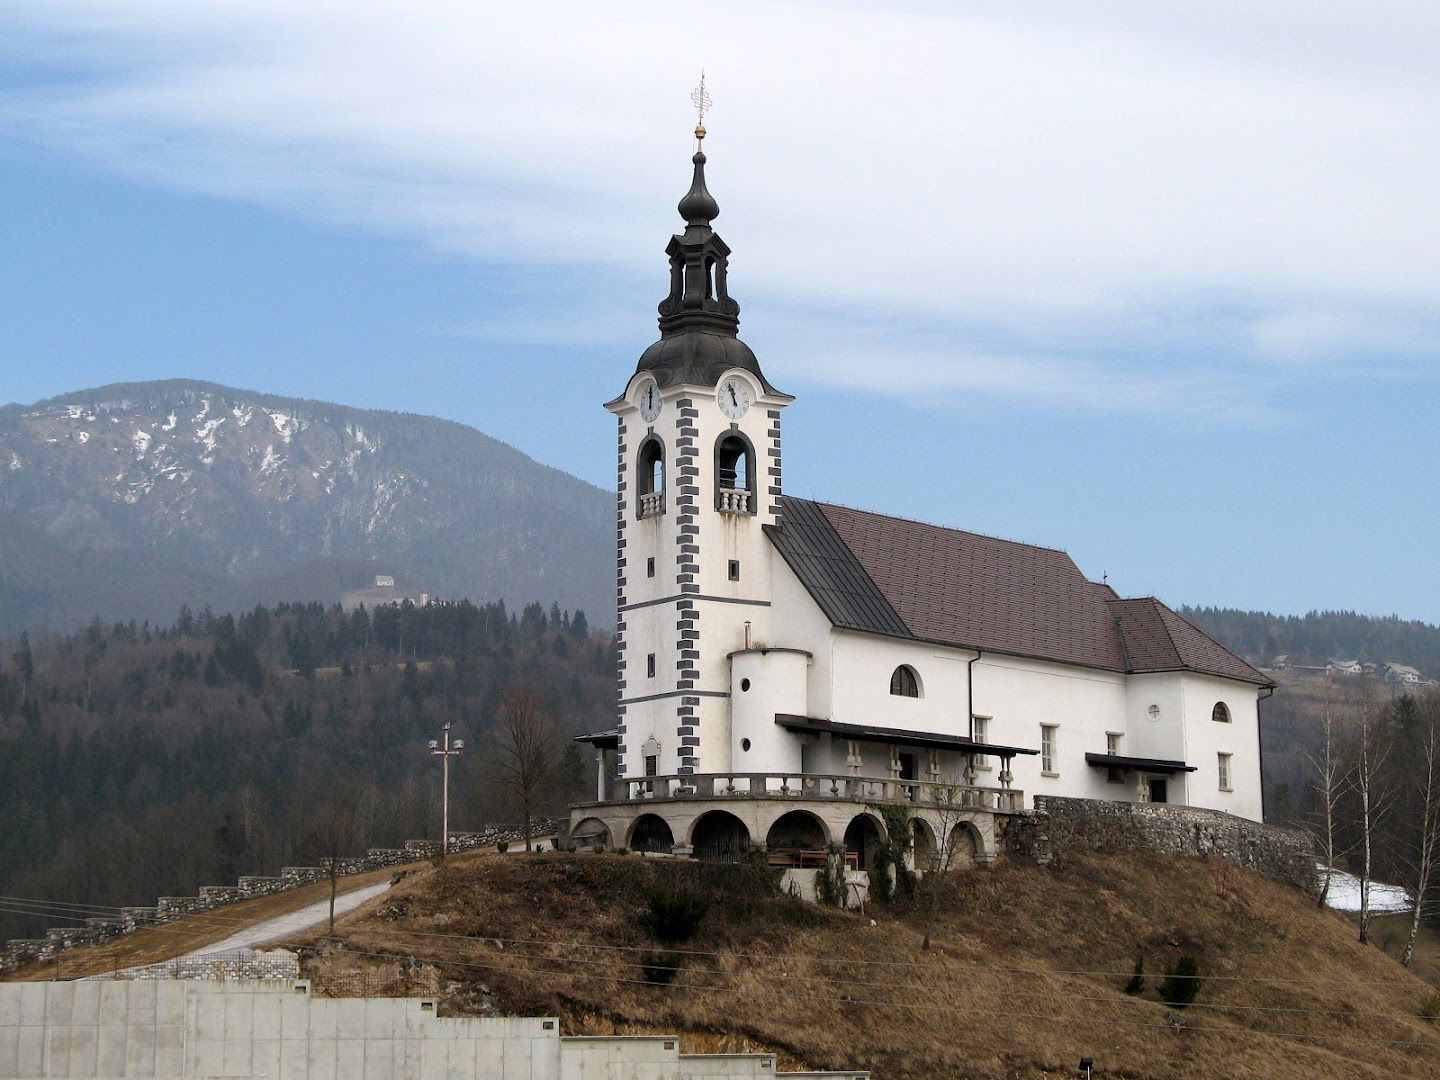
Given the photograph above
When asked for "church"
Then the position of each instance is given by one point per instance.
(788, 667)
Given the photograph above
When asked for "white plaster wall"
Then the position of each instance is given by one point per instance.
(723, 605)
(764, 683)
(1205, 740)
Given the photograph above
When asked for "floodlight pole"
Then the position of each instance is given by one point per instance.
(445, 752)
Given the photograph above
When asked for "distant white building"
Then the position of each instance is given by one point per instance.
(1402, 675)
(786, 665)
(1344, 668)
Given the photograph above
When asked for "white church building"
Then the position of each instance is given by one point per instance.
(788, 667)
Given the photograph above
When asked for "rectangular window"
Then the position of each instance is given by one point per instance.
(734, 569)
(1047, 749)
(1224, 760)
(982, 734)
(1112, 747)
(650, 566)
(650, 666)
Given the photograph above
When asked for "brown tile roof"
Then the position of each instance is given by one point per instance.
(904, 578)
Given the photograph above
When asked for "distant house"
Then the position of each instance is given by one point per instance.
(1281, 662)
(1346, 668)
(1402, 675)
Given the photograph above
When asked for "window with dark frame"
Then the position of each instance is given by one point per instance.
(734, 569)
(904, 682)
(650, 666)
(650, 566)
(1221, 713)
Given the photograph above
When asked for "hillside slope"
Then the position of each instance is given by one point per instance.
(129, 500)
(1026, 977)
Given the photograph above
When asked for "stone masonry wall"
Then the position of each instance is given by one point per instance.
(22, 951)
(1060, 825)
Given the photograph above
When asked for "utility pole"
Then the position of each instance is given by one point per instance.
(445, 752)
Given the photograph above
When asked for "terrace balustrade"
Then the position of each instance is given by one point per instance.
(797, 785)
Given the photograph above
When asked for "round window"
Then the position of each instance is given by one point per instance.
(1154, 712)
(744, 744)
(744, 686)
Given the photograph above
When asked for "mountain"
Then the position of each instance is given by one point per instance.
(131, 499)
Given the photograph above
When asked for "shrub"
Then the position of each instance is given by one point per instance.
(1136, 984)
(661, 968)
(622, 851)
(571, 847)
(503, 846)
(830, 883)
(675, 914)
(881, 882)
(1430, 1007)
(1181, 983)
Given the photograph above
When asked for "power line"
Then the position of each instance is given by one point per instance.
(942, 965)
(451, 950)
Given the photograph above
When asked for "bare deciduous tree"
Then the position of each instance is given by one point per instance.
(1368, 753)
(333, 833)
(1424, 850)
(948, 805)
(526, 747)
(1328, 780)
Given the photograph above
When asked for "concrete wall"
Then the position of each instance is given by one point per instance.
(183, 1029)
(1058, 826)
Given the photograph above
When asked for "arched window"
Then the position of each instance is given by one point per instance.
(650, 478)
(734, 474)
(904, 682)
(1221, 713)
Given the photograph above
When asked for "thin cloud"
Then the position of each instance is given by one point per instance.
(1017, 194)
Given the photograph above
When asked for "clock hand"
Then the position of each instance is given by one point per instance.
(733, 399)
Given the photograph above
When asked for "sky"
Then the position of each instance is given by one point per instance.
(1155, 283)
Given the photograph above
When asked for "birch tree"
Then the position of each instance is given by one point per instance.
(1425, 847)
(1370, 750)
(1328, 781)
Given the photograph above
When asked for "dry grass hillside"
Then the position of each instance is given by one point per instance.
(1027, 974)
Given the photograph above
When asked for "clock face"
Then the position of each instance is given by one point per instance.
(735, 397)
(650, 402)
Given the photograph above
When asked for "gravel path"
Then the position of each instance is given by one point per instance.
(292, 922)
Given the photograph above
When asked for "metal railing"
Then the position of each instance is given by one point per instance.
(799, 785)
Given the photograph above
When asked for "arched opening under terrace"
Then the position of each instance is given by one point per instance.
(651, 833)
(863, 839)
(720, 837)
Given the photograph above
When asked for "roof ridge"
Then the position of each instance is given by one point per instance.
(1208, 637)
(945, 528)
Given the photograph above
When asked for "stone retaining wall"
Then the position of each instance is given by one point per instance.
(18, 952)
(1059, 825)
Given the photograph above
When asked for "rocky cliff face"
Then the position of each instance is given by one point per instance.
(131, 499)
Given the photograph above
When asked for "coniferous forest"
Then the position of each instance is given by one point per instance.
(138, 761)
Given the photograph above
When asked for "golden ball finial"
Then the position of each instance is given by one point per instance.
(699, 131)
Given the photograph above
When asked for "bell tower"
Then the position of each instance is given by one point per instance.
(698, 477)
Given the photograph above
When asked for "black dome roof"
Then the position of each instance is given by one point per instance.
(696, 357)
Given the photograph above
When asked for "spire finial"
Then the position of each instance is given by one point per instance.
(701, 98)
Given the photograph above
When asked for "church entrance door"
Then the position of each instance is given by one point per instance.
(1158, 789)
